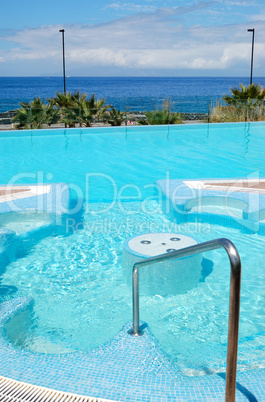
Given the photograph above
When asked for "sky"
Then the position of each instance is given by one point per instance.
(132, 38)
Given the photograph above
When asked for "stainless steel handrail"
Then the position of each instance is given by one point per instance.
(234, 303)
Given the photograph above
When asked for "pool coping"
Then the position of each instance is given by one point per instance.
(20, 391)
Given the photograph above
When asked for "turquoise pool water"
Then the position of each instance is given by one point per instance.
(136, 155)
(74, 273)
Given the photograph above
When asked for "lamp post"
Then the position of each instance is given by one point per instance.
(252, 53)
(64, 86)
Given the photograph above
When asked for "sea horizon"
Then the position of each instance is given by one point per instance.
(187, 94)
(134, 77)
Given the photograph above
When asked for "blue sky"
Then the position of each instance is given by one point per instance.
(132, 38)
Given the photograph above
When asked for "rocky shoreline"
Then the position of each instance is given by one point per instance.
(194, 116)
(6, 117)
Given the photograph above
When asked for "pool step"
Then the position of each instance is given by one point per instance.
(16, 391)
(239, 201)
(41, 198)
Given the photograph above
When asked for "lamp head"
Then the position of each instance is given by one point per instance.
(251, 30)
(61, 30)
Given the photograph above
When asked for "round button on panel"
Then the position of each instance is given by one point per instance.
(167, 277)
(151, 244)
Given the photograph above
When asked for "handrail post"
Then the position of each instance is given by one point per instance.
(234, 300)
(136, 330)
(233, 328)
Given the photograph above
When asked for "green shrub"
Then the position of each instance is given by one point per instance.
(244, 104)
(163, 116)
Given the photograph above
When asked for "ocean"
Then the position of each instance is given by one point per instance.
(187, 94)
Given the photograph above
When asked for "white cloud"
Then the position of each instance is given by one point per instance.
(131, 7)
(239, 3)
(258, 17)
(140, 42)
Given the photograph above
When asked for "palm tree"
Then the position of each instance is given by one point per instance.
(116, 117)
(22, 116)
(97, 107)
(92, 110)
(86, 116)
(32, 115)
(68, 106)
(251, 96)
(65, 100)
(246, 99)
(52, 115)
(76, 108)
(38, 113)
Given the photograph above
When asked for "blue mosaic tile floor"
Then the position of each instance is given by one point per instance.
(127, 369)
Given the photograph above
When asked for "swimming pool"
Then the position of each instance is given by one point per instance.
(72, 271)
